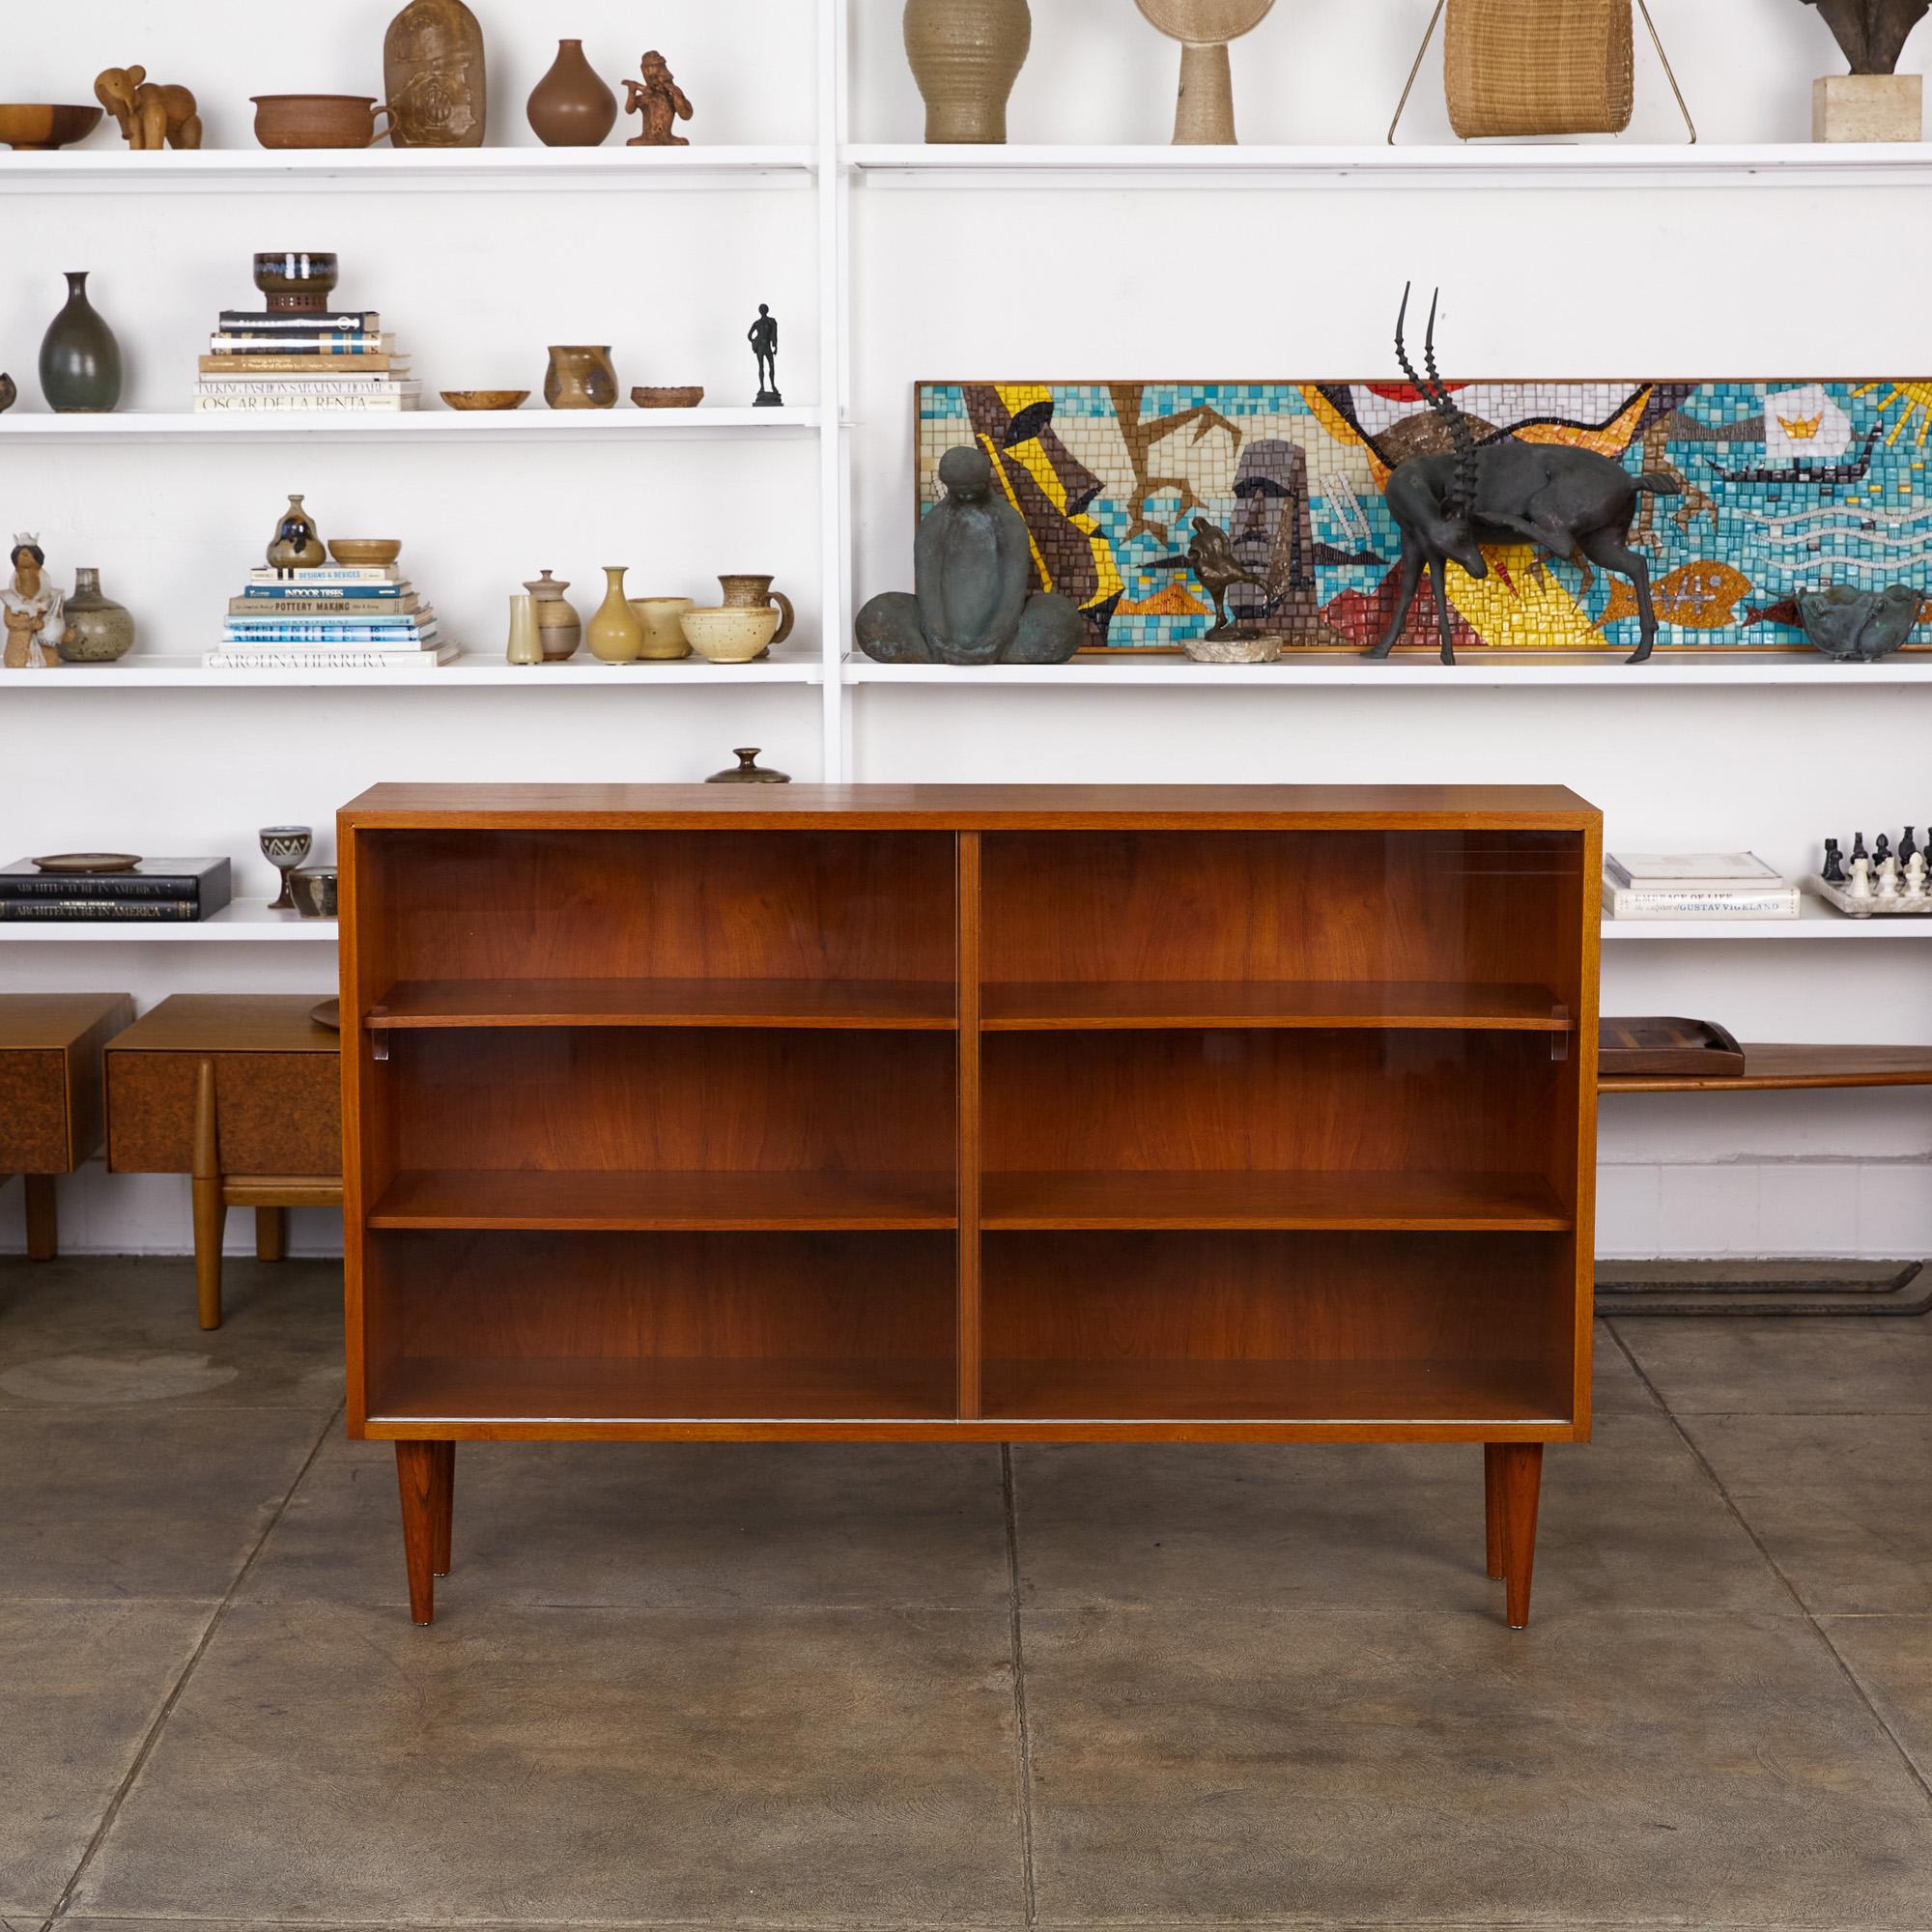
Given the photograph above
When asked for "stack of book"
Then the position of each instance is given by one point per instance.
(340, 617)
(339, 362)
(1695, 885)
(166, 890)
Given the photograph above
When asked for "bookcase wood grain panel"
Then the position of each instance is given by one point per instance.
(1058, 1113)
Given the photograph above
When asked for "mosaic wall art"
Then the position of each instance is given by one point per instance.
(1161, 508)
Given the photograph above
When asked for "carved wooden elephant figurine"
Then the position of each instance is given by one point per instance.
(148, 114)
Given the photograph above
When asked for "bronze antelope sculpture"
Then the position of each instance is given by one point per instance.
(1568, 501)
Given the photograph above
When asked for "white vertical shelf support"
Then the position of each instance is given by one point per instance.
(834, 364)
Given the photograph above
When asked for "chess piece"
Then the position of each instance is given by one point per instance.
(1906, 847)
(661, 101)
(1915, 876)
(1861, 887)
(763, 336)
(1858, 845)
(1881, 852)
(1834, 872)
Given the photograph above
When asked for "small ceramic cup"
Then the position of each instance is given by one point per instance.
(285, 847)
(664, 633)
(314, 889)
(725, 635)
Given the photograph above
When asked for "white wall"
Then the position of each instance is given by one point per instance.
(947, 283)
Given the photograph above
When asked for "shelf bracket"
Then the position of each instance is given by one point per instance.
(1559, 1043)
(378, 1045)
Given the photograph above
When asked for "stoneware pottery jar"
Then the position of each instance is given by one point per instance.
(313, 887)
(296, 544)
(747, 771)
(580, 377)
(756, 593)
(80, 361)
(316, 119)
(615, 632)
(524, 646)
(570, 106)
(99, 630)
(729, 637)
(433, 77)
(966, 54)
(559, 629)
(296, 283)
(664, 626)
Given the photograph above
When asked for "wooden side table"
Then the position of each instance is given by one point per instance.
(241, 1090)
(50, 1094)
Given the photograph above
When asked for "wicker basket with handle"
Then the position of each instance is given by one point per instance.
(1538, 66)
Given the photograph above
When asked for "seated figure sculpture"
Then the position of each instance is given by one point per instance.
(970, 603)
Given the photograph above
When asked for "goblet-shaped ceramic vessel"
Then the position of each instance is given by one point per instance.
(1205, 115)
(285, 847)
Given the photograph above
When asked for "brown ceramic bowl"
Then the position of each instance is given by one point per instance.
(485, 399)
(667, 399)
(43, 128)
(316, 119)
(365, 552)
(313, 889)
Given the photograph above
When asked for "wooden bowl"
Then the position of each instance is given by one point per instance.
(40, 127)
(667, 399)
(365, 552)
(485, 399)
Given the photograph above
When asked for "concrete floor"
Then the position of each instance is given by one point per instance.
(918, 1687)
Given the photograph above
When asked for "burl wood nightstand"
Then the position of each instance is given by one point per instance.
(51, 1093)
(241, 1090)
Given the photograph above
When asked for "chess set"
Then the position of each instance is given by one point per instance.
(1881, 883)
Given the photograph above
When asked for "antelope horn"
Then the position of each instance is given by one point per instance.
(1459, 423)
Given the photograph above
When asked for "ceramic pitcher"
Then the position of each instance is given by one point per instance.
(756, 593)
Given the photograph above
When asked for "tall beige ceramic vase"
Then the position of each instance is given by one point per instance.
(966, 54)
(616, 633)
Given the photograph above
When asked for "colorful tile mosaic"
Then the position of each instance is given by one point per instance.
(1161, 508)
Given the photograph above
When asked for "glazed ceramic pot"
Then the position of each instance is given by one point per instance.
(433, 77)
(729, 637)
(316, 119)
(80, 361)
(559, 629)
(313, 889)
(99, 630)
(614, 633)
(296, 283)
(296, 544)
(756, 593)
(570, 106)
(747, 771)
(664, 628)
(524, 646)
(580, 377)
(966, 54)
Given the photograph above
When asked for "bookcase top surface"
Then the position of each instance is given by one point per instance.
(965, 808)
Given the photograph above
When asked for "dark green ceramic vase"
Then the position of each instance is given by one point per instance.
(80, 361)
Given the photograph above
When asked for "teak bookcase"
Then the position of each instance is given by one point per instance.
(1040, 1113)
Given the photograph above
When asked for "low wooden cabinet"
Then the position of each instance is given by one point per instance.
(1027, 1113)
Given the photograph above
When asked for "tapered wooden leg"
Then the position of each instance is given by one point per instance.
(1492, 1504)
(272, 1233)
(42, 1218)
(424, 1471)
(445, 1505)
(211, 1211)
(1521, 1488)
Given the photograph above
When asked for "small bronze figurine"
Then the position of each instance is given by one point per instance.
(1211, 556)
(763, 336)
(1872, 33)
(661, 101)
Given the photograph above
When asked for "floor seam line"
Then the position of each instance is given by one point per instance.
(181, 1683)
(1010, 1511)
(1918, 1776)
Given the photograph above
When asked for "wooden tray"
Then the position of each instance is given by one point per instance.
(1656, 1047)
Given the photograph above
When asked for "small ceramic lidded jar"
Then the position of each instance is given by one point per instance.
(296, 544)
(559, 629)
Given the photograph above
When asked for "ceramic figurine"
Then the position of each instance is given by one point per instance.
(614, 633)
(1859, 626)
(570, 106)
(99, 630)
(581, 376)
(972, 602)
(149, 115)
(965, 55)
(1832, 872)
(296, 544)
(433, 77)
(559, 629)
(747, 771)
(80, 361)
(661, 101)
(1205, 113)
(285, 847)
(763, 336)
(36, 622)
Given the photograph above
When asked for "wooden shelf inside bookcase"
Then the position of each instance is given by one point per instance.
(666, 1200)
(858, 1003)
(1109, 1004)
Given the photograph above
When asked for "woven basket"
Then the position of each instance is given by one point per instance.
(1537, 67)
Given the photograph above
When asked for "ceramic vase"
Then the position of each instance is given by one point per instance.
(433, 77)
(296, 544)
(559, 629)
(581, 376)
(80, 361)
(614, 633)
(663, 630)
(570, 106)
(966, 54)
(99, 630)
(524, 646)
